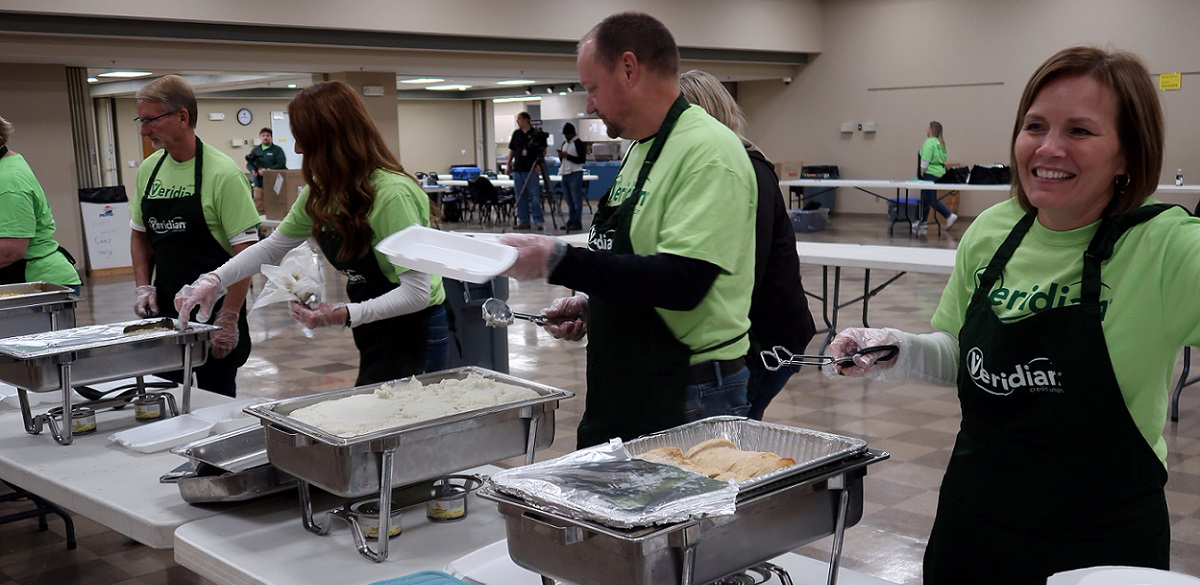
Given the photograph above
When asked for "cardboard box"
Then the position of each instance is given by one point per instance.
(280, 190)
(788, 170)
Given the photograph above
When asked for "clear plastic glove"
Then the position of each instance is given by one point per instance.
(146, 304)
(567, 317)
(325, 315)
(536, 255)
(225, 339)
(852, 339)
(203, 293)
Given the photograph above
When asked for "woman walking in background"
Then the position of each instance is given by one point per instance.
(933, 166)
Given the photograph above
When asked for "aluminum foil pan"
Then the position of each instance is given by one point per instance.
(605, 484)
(27, 347)
(809, 448)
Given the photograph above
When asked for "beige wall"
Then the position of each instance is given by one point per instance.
(33, 98)
(783, 25)
(219, 134)
(872, 44)
(435, 134)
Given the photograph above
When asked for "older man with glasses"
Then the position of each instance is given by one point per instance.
(191, 211)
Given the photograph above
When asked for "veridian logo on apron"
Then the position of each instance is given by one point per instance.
(600, 241)
(1038, 375)
(175, 225)
(158, 191)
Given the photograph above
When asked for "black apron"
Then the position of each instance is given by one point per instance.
(636, 368)
(184, 249)
(388, 349)
(1049, 472)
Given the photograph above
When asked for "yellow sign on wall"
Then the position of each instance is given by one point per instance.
(1170, 81)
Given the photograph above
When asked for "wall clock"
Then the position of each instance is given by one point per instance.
(244, 117)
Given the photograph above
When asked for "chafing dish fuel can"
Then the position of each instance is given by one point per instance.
(83, 420)
(449, 503)
(148, 408)
(367, 512)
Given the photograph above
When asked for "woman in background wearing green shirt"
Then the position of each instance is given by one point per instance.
(933, 166)
(357, 194)
(28, 252)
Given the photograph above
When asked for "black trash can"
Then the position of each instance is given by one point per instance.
(824, 197)
(472, 343)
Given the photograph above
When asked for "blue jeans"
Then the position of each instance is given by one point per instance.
(437, 353)
(929, 200)
(721, 395)
(528, 192)
(764, 386)
(572, 185)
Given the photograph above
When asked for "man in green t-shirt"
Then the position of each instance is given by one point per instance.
(267, 155)
(670, 268)
(191, 211)
(28, 252)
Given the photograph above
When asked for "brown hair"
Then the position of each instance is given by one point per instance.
(637, 33)
(935, 129)
(342, 147)
(1139, 118)
(6, 131)
(173, 93)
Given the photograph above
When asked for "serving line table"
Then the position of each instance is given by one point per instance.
(98, 479)
(266, 544)
(871, 186)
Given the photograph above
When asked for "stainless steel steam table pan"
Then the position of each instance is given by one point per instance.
(771, 520)
(59, 360)
(351, 467)
(34, 307)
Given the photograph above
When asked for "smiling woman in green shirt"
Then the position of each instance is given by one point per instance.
(28, 252)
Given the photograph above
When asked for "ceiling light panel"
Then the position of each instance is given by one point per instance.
(423, 80)
(125, 74)
(448, 87)
(515, 82)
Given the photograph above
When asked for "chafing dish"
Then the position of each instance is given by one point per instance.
(58, 360)
(34, 307)
(784, 511)
(235, 451)
(375, 462)
(206, 484)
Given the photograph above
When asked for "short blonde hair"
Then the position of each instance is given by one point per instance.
(6, 131)
(706, 91)
(173, 93)
(1140, 127)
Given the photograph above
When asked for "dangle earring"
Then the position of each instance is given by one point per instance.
(1122, 182)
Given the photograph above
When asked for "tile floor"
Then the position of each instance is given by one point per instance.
(916, 423)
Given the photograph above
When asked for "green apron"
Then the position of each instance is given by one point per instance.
(184, 249)
(388, 349)
(636, 369)
(1049, 471)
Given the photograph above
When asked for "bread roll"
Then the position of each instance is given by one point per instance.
(720, 459)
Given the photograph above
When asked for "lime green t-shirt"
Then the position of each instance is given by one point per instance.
(225, 194)
(25, 214)
(1148, 295)
(399, 203)
(699, 202)
(935, 153)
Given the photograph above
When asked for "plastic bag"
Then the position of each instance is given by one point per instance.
(297, 278)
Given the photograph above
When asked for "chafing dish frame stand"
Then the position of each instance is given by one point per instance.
(65, 436)
(386, 463)
(687, 535)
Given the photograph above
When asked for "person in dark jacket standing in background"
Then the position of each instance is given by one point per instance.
(267, 156)
(779, 314)
(573, 154)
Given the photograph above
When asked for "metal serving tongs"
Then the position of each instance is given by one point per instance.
(497, 313)
(777, 357)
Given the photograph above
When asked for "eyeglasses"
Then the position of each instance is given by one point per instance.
(150, 121)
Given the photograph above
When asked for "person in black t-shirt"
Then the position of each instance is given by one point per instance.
(525, 152)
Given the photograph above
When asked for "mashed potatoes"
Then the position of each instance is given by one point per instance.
(405, 402)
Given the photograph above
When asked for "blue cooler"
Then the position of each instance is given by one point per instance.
(464, 173)
(914, 209)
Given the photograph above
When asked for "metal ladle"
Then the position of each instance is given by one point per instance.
(497, 313)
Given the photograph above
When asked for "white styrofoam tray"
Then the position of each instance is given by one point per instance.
(163, 434)
(447, 254)
(491, 565)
